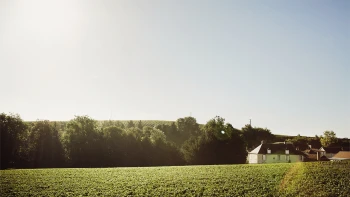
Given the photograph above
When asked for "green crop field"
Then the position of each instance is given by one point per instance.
(298, 179)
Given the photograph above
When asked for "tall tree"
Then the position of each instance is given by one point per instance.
(113, 146)
(12, 132)
(187, 127)
(328, 138)
(220, 143)
(299, 142)
(45, 149)
(83, 142)
(254, 136)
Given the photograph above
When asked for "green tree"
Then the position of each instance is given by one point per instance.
(254, 136)
(139, 124)
(219, 143)
(299, 142)
(120, 124)
(186, 127)
(171, 132)
(45, 149)
(113, 149)
(12, 135)
(328, 138)
(130, 124)
(157, 135)
(83, 142)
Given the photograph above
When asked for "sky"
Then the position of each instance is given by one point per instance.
(283, 64)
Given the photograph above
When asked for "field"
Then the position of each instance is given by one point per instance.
(303, 179)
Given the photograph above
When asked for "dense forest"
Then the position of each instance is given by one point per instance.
(85, 142)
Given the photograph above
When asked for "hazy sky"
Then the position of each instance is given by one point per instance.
(285, 64)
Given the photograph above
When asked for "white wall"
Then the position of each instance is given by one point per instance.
(253, 158)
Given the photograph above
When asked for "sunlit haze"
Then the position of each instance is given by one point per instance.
(284, 64)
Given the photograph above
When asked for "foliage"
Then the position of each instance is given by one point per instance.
(139, 124)
(44, 146)
(328, 138)
(12, 134)
(254, 135)
(130, 124)
(172, 133)
(83, 142)
(299, 142)
(150, 123)
(220, 143)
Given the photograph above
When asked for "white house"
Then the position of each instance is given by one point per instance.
(279, 152)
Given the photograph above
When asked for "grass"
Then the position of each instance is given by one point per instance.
(225, 180)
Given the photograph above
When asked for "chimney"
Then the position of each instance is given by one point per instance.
(262, 142)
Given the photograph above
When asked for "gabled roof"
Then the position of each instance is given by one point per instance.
(276, 148)
(342, 155)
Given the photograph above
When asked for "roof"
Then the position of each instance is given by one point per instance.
(312, 151)
(282, 143)
(342, 155)
(276, 149)
(335, 149)
(324, 158)
(312, 156)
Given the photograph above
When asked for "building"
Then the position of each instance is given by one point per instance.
(279, 152)
(311, 154)
(329, 152)
(341, 156)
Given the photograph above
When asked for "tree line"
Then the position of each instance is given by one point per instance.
(85, 142)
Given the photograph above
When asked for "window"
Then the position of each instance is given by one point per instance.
(268, 151)
(278, 157)
(287, 158)
(264, 157)
(287, 152)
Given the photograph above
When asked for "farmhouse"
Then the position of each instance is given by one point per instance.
(329, 152)
(322, 153)
(315, 154)
(340, 156)
(279, 152)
